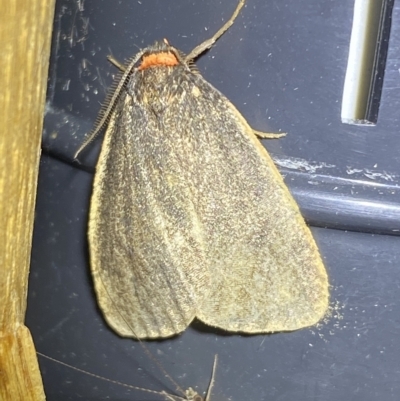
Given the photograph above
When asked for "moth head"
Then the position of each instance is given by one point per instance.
(162, 54)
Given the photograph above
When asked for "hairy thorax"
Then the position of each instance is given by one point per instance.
(159, 88)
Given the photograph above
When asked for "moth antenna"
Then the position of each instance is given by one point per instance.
(111, 99)
(208, 43)
(164, 393)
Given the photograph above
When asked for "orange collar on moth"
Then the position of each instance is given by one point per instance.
(167, 59)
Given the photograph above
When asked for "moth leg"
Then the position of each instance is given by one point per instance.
(116, 63)
(268, 135)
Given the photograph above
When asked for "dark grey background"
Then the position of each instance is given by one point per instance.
(283, 65)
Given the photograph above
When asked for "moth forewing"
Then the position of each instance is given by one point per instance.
(268, 275)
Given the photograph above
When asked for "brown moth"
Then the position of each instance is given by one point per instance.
(189, 216)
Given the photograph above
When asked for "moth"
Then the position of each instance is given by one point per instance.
(189, 217)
